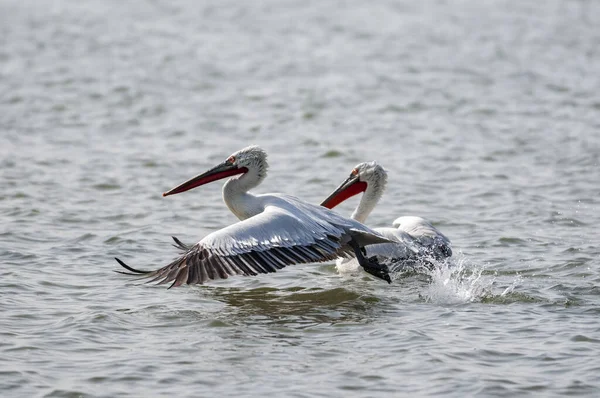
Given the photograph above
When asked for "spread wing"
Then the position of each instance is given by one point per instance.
(403, 248)
(429, 237)
(261, 244)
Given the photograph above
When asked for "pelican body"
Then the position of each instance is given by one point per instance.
(274, 231)
(415, 238)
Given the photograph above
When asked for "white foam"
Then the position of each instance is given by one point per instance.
(457, 281)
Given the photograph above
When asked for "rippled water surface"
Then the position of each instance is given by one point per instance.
(486, 115)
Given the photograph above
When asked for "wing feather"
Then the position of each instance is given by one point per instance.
(261, 244)
(181, 276)
(193, 276)
(434, 242)
(219, 268)
(271, 260)
(202, 269)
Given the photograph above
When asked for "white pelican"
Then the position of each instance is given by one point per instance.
(275, 230)
(416, 238)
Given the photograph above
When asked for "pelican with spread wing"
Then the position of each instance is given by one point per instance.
(415, 238)
(274, 231)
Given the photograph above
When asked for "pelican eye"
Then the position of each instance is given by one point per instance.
(231, 159)
(354, 172)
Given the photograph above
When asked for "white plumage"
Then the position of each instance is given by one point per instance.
(416, 239)
(275, 230)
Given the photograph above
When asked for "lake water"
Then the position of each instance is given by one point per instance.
(485, 114)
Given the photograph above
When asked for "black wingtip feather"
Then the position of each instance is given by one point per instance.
(179, 244)
(127, 267)
(125, 273)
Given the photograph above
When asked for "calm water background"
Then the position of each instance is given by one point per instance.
(486, 115)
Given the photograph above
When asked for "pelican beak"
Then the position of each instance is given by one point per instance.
(352, 186)
(223, 170)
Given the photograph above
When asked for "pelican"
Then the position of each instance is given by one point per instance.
(415, 238)
(275, 230)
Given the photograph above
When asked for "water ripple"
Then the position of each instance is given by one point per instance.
(490, 133)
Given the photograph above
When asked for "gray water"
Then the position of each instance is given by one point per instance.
(486, 115)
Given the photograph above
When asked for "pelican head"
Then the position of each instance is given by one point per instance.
(369, 177)
(252, 158)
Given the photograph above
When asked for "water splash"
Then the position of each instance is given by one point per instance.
(460, 281)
